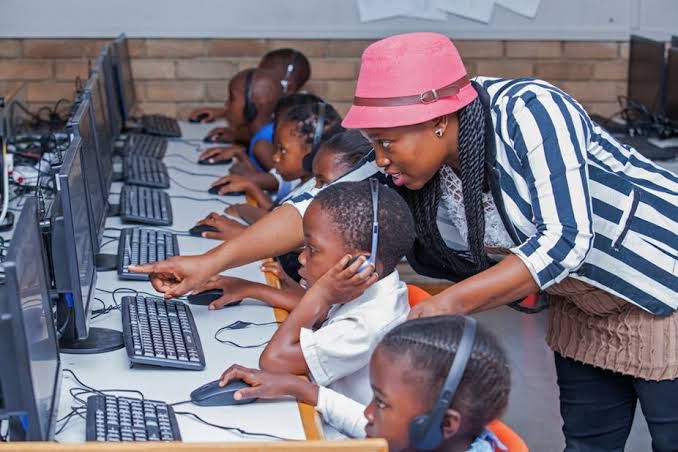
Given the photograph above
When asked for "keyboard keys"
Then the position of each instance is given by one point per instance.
(145, 146)
(115, 419)
(160, 125)
(143, 245)
(161, 333)
(145, 171)
(145, 205)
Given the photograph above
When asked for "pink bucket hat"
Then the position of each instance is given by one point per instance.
(408, 79)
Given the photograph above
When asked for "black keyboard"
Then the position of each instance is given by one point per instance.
(146, 171)
(145, 146)
(161, 332)
(145, 205)
(648, 149)
(111, 418)
(143, 245)
(161, 125)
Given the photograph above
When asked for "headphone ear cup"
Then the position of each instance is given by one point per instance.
(423, 435)
(307, 162)
(250, 110)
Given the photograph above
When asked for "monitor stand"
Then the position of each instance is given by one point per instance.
(99, 340)
(106, 262)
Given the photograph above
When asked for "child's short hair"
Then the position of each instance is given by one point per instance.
(280, 59)
(291, 100)
(431, 344)
(350, 146)
(350, 205)
(306, 118)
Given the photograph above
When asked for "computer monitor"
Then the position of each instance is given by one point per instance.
(30, 373)
(99, 103)
(123, 71)
(82, 124)
(73, 261)
(672, 85)
(674, 41)
(111, 91)
(646, 73)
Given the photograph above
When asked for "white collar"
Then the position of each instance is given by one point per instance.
(381, 289)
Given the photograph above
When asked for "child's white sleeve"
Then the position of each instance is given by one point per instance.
(336, 350)
(342, 413)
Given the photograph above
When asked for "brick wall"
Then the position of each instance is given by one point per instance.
(175, 75)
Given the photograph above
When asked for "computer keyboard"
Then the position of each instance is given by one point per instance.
(111, 418)
(161, 125)
(146, 171)
(143, 245)
(647, 149)
(145, 205)
(161, 332)
(143, 145)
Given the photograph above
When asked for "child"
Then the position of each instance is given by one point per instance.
(294, 136)
(407, 371)
(290, 66)
(336, 157)
(253, 94)
(355, 308)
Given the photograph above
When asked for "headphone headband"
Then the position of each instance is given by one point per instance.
(426, 430)
(250, 109)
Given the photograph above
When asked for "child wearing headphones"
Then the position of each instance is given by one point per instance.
(336, 157)
(290, 66)
(253, 93)
(298, 135)
(436, 383)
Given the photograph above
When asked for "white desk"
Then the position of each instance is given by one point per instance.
(112, 370)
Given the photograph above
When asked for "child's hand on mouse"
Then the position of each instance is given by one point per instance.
(234, 184)
(221, 135)
(343, 282)
(220, 153)
(226, 228)
(207, 114)
(269, 385)
(235, 289)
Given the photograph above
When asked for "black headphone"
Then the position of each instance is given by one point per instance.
(319, 129)
(426, 431)
(285, 82)
(250, 110)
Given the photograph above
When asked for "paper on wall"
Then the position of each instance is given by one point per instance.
(527, 8)
(479, 10)
(371, 10)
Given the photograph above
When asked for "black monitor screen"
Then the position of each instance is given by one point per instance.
(115, 116)
(646, 71)
(672, 85)
(100, 105)
(27, 289)
(674, 41)
(91, 167)
(72, 195)
(126, 79)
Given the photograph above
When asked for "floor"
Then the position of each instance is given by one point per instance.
(533, 409)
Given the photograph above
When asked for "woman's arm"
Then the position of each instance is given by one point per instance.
(279, 232)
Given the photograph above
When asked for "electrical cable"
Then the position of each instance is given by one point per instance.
(233, 429)
(191, 173)
(226, 203)
(5, 183)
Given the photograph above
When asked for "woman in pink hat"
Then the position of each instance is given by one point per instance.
(515, 190)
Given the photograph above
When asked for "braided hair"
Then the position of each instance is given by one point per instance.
(306, 117)
(424, 202)
(431, 344)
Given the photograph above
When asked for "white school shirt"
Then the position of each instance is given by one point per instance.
(338, 353)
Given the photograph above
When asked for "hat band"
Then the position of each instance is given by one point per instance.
(427, 97)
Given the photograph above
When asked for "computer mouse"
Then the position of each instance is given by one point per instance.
(215, 162)
(211, 394)
(199, 118)
(207, 297)
(215, 191)
(198, 229)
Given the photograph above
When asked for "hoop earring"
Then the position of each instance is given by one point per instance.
(439, 133)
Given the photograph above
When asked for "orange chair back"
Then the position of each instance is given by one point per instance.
(416, 295)
(510, 439)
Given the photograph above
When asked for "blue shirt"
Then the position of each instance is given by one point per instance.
(578, 203)
(266, 134)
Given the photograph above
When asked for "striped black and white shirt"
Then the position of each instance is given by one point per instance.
(580, 203)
